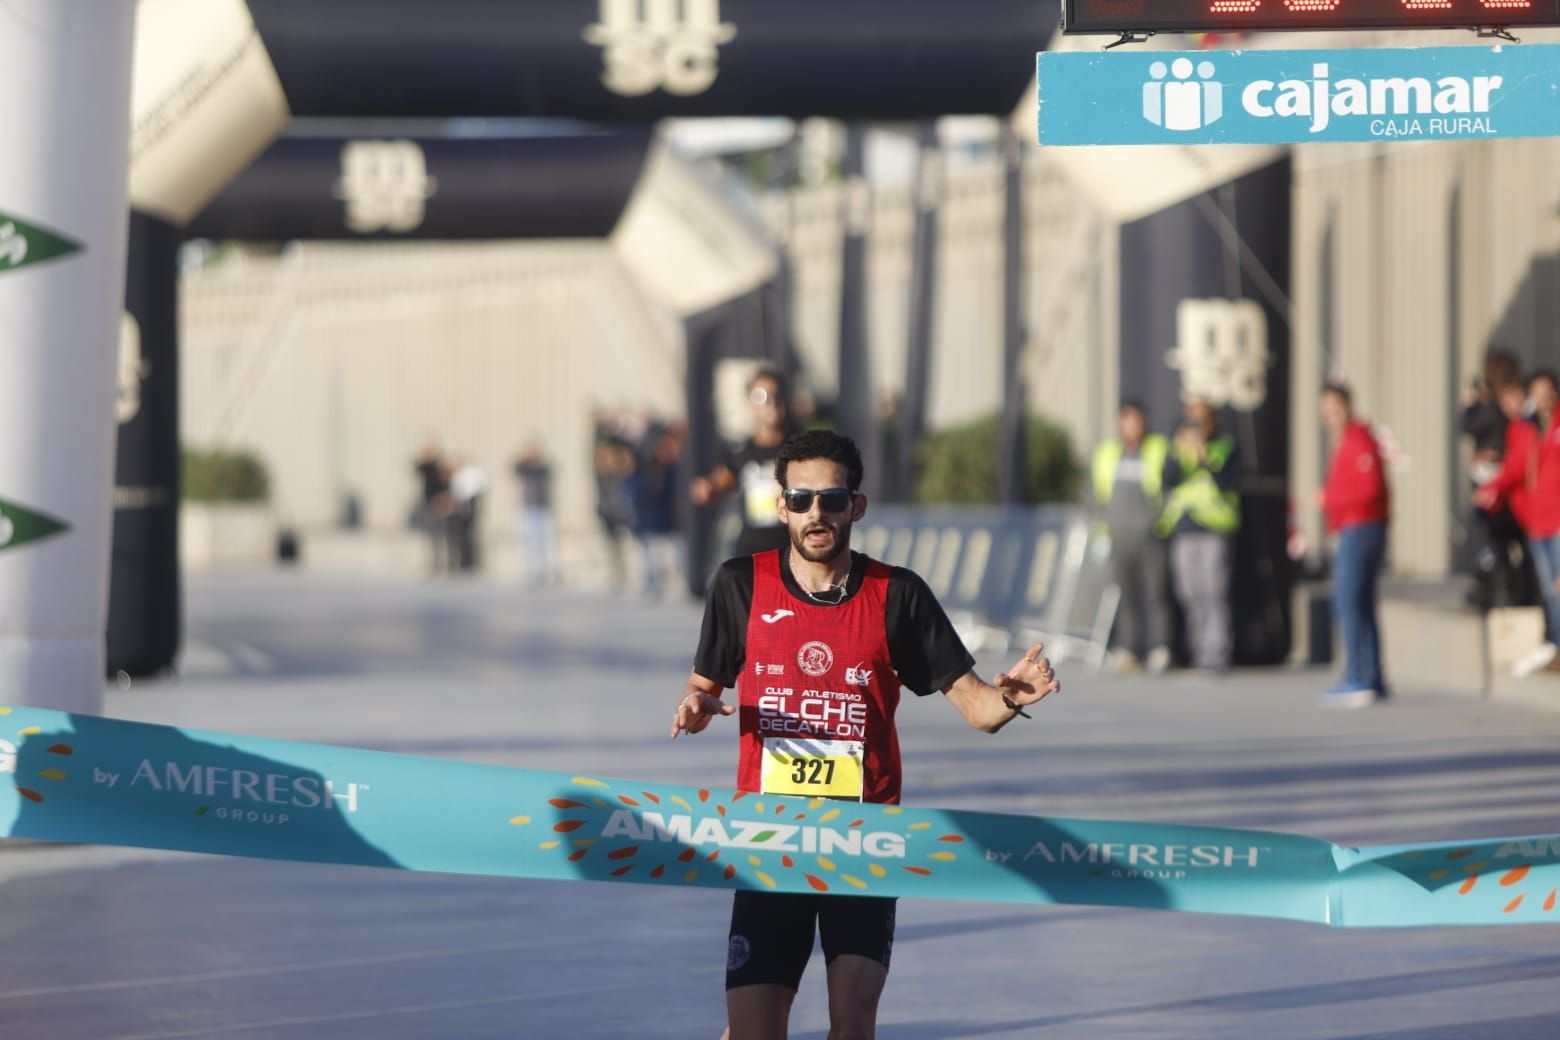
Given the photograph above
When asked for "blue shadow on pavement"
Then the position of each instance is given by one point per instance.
(1316, 995)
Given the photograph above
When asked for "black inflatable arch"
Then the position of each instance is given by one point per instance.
(568, 186)
(648, 60)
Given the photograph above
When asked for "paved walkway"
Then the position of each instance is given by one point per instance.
(106, 943)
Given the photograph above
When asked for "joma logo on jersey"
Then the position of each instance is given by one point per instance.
(666, 44)
(753, 834)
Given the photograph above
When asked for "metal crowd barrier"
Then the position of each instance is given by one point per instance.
(1006, 576)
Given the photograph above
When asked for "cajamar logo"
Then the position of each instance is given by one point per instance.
(22, 243)
(1173, 99)
(19, 525)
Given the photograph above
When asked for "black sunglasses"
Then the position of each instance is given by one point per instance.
(833, 500)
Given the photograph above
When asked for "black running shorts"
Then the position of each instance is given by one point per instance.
(772, 934)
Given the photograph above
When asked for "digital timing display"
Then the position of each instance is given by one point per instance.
(1122, 16)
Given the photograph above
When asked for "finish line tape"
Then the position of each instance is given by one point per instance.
(82, 778)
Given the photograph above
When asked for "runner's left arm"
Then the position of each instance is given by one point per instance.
(986, 705)
(929, 656)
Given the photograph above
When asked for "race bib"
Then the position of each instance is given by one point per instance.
(813, 768)
(760, 495)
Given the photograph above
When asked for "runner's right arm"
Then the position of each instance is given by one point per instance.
(722, 647)
(700, 703)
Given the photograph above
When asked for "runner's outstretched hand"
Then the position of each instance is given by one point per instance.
(1031, 679)
(696, 709)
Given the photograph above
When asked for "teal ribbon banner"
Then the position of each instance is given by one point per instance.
(82, 778)
(1299, 96)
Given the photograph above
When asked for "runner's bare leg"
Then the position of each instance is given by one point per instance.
(855, 985)
(759, 1012)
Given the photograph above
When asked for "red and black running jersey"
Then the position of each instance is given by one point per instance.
(818, 683)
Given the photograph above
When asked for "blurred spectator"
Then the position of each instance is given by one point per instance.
(1510, 542)
(1356, 502)
(433, 506)
(614, 465)
(1201, 517)
(1529, 481)
(1128, 474)
(654, 488)
(1500, 565)
(750, 468)
(538, 534)
(468, 483)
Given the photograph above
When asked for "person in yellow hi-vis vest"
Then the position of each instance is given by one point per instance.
(1128, 477)
(1201, 517)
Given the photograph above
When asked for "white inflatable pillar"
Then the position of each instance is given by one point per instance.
(64, 160)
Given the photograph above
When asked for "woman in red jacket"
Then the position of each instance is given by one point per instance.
(1529, 479)
(1356, 503)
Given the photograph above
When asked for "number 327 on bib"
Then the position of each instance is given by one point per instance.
(815, 768)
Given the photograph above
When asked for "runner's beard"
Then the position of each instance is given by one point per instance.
(838, 544)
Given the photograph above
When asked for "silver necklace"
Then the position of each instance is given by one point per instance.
(836, 590)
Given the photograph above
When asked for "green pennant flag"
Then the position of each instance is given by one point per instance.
(22, 243)
(19, 526)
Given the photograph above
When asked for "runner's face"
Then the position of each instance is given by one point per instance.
(818, 536)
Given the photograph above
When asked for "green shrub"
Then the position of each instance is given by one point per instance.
(224, 475)
(960, 464)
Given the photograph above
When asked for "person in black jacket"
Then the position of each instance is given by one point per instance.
(433, 505)
(1502, 573)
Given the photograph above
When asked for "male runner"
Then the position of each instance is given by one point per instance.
(749, 468)
(816, 616)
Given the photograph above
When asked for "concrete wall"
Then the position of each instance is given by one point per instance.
(336, 362)
(1069, 365)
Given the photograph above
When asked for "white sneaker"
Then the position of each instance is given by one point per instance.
(1158, 660)
(1348, 697)
(1535, 661)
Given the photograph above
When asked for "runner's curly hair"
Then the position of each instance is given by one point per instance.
(821, 444)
